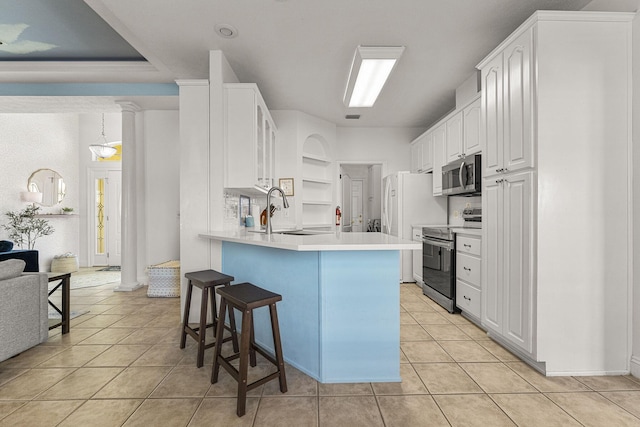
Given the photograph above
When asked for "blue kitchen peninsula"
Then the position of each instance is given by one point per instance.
(340, 311)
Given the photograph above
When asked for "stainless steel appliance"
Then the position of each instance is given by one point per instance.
(462, 176)
(439, 266)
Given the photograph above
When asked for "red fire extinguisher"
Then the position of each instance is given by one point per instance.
(338, 215)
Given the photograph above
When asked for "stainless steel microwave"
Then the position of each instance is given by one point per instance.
(462, 176)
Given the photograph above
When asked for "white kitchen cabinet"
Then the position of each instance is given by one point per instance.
(468, 278)
(508, 295)
(455, 128)
(416, 155)
(507, 100)
(439, 135)
(556, 254)
(250, 138)
(427, 152)
(417, 256)
(422, 153)
(463, 132)
(471, 124)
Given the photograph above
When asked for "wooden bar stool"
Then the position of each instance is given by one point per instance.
(207, 280)
(246, 297)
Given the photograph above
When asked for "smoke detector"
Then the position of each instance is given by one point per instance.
(226, 31)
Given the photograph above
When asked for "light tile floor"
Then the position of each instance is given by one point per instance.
(121, 365)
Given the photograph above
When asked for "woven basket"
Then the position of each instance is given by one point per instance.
(164, 279)
(64, 265)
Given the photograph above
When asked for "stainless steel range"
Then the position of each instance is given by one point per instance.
(438, 266)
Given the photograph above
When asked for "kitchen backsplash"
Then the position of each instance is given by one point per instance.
(457, 205)
(234, 210)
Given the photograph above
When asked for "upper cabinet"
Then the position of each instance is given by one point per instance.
(439, 140)
(454, 137)
(422, 153)
(471, 141)
(250, 138)
(463, 132)
(416, 155)
(507, 94)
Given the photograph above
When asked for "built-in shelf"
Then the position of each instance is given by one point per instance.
(317, 184)
(318, 180)
(315, 158)
(54, 215)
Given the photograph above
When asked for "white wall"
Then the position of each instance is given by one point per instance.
(374, 145)
(29, 142)
(162, 185)
(635, 359)
(457, 205)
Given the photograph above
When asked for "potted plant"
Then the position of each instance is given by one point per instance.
(67, 211)
(24, 227)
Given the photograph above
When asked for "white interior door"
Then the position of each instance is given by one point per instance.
(356, 204)
(113, 221)
(346, 202)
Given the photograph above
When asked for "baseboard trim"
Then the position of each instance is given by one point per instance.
(538, 366)
(127, 287)
(635, 366)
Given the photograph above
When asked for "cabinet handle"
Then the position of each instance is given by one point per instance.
(466, 246)
(466, 269)
(466, 297)
(498, 181)
(499, 170)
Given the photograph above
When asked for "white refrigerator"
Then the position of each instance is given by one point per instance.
(407, 200)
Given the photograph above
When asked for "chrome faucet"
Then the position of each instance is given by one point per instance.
(285, 204)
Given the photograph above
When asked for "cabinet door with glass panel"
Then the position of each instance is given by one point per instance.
(250, 136)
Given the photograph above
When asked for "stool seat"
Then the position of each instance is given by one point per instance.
(246, 297)
(206, 280)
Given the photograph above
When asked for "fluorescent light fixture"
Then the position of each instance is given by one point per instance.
(370, 70)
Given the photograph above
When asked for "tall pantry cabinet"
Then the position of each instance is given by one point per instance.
(556, 129)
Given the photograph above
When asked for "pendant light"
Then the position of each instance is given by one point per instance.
(102, 150)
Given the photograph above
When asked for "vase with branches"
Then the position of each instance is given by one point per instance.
(25, 227)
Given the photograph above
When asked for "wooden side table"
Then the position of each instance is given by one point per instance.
(65, 282)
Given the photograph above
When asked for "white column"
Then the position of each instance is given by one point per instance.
(128, 279)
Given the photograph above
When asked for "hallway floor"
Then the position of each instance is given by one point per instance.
(121, 365)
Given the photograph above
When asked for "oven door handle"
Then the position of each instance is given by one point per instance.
(437, 243)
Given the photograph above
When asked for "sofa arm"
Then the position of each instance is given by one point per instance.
(24, 307)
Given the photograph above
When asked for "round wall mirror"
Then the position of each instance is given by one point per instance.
(50, 184)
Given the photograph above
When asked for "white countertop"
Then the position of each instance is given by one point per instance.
(336, 241)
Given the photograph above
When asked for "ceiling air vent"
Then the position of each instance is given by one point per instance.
(352, 116)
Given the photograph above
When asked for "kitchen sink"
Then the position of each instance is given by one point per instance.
(292, 232)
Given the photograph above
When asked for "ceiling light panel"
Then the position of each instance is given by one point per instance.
(370, 70)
